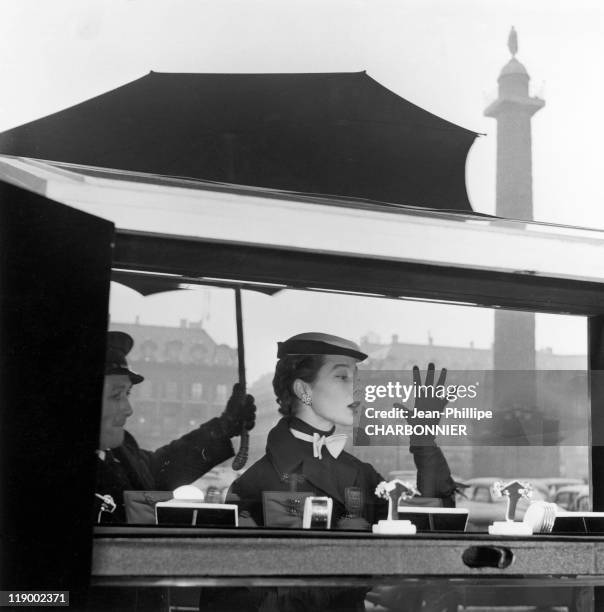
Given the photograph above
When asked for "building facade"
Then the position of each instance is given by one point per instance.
(188, 379)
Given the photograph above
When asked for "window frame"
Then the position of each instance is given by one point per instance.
(235, 255)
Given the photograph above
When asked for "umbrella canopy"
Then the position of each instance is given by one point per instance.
(151, 284)
(340, 134)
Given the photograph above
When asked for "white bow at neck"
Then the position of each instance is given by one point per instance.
(334, 444)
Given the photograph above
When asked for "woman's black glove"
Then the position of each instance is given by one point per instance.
(239, 414)
(429, 403)
(433, 474)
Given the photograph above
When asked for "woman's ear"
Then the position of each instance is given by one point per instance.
(302, 391)
(299, 388)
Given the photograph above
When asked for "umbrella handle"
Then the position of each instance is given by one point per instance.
(241, 457)
(244, 448)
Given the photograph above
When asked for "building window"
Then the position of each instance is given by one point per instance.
(221, 393)
(173, 351)
(199, 353)
(171, 390)
(145, 389)
(147, 350)
(196, 390)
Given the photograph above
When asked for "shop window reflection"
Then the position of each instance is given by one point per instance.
(190, 368)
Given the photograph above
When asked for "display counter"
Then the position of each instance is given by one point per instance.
(203, 557)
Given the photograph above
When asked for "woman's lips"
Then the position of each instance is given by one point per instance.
(354, 405)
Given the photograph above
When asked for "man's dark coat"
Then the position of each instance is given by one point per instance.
(130, 468)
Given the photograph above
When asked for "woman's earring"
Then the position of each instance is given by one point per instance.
(306, 399)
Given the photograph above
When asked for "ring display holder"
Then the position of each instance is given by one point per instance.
(546, 518)
(196, 514)
(514, 491)
(511, 528)
(389, 527)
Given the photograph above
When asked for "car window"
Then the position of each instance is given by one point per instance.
(482, 494)
(583, 504)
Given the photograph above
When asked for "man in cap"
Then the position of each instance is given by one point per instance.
(123, 466)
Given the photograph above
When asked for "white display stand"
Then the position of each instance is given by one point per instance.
(394, 528)
(510, 528)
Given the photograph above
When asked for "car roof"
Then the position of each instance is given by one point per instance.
(489, 481)
(412, 475)
(404, 474)
(560, 480)
(576, 488)
(483, 480)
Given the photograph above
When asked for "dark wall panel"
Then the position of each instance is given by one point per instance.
(54, 289)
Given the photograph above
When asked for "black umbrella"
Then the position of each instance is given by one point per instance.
(340, 134)
(151, 284)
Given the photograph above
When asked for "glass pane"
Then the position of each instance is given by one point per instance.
(181, 207)
(185, 347)
(536, 356)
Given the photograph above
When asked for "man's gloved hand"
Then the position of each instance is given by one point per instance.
(239, 414)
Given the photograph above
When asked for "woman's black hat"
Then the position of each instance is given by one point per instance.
(315, 343)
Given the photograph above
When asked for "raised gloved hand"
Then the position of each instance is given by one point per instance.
(239, 414)
(429, 406)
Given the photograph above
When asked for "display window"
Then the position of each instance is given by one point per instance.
(372, 290)
(529, 420)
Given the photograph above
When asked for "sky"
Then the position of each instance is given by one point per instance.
(444, 55)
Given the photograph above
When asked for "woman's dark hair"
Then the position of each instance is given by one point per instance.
(287, 370)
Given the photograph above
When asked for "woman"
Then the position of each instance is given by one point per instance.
(313, 384)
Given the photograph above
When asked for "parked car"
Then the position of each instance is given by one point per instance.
(485, 507)
(411, 476)
(567, 497)
(555, 483)
(583, 502)
(404, 475)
